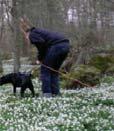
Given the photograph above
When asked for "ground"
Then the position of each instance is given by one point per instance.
(88, 109)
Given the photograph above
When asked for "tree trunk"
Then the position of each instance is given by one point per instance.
(1, 31)
(16, 49)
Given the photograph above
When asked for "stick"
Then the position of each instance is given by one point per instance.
(70, 78)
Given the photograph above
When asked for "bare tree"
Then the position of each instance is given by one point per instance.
(15, 32)
(1, 29)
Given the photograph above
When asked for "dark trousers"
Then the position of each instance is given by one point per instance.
(55, 56)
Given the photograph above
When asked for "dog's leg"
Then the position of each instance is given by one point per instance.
(14, 89)
(22, 91)
(31, 87)
(32, 90)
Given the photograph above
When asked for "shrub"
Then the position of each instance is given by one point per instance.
(101, 62)
(86, 74)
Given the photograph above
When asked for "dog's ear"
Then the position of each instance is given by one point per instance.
(29, 73)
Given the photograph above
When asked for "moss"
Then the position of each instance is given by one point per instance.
(110, 70)
(111, 58)
(101, 62)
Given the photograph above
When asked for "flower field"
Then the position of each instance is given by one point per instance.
(88, 109)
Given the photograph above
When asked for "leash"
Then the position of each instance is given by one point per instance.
(70, 78)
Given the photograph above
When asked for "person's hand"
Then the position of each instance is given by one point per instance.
(37, 62)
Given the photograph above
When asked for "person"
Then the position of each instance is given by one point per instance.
(53, 49)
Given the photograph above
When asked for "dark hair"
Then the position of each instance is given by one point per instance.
(30, 29)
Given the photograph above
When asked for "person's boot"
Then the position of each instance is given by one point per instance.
(56, 95)
(47, 95)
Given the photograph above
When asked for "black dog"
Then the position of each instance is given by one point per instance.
(22, 80)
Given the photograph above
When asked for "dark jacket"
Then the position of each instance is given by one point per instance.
(43, 39)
